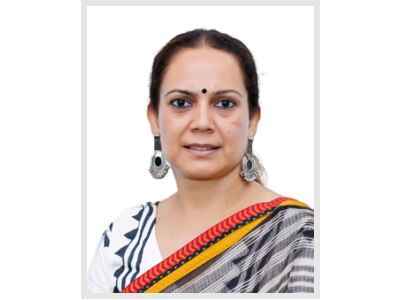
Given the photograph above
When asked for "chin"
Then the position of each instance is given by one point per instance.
(199, 176)
(203, 173)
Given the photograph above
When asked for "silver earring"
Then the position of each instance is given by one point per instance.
(159, 166)
(250, 168)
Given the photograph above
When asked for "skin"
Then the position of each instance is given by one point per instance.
(209, 188)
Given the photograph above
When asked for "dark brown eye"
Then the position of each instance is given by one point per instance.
(180, 103)
(225, 103)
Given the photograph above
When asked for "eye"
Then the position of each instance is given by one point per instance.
(180, 103)
(225, 103)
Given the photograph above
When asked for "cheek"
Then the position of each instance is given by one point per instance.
(235, 133)
(171, 129)
(239, 125)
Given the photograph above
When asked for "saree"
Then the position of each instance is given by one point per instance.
(267, 247)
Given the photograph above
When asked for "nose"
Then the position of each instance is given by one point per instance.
(202, 120)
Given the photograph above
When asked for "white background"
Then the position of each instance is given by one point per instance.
(40, 149)
(120, 55)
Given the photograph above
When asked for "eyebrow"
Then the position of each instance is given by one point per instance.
(189, 93)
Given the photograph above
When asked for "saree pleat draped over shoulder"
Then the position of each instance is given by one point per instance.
(267, 247)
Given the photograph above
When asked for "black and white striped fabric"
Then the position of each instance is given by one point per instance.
(277, 256)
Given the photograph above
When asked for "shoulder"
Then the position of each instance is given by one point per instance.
(126, 224)
(134, 215)
(136, 212)
(296, 216)
(112, 250)
(290, 230)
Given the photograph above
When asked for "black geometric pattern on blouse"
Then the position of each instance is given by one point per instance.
(139, 258)
(138, 246)
(106, 237)
(121, 252)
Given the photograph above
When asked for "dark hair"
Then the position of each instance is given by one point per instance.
(214, 39)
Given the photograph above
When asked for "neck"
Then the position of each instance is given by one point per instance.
(215, 196)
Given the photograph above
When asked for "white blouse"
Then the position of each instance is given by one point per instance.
(127, 249)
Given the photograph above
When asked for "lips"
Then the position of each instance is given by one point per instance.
(201, 147)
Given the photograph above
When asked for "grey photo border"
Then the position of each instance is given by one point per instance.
(85, 4)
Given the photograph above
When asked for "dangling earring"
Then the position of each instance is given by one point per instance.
(159, 166)
(250, 170)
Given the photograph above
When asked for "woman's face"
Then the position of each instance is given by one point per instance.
(203, 116)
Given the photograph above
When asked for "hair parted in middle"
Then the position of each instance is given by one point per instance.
(212, 38)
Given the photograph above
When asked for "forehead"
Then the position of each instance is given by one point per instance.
(200, 68)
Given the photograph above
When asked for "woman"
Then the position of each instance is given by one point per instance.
(223, 230)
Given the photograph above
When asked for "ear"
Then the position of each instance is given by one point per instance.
(254, 123)
(153, 120)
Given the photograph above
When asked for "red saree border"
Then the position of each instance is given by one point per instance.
(203, 240)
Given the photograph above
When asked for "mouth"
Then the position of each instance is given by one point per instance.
(202, 149)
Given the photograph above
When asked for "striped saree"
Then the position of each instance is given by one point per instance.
(267, 247)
